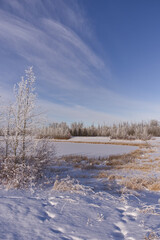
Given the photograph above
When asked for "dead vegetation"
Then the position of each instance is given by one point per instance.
(121, 160)
(133, 183)
(134, 171)
(125, 169)
(83, 162)
(141, 183)
(151, 236)
(112, 161)
(70, 185)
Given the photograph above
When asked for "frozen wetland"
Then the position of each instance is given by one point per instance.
(91, 150)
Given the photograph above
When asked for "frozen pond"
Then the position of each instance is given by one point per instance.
(96, 150)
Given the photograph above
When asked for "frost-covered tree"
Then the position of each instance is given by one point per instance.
(23, 110)
(0, 117)
(55, 130)
(25, 161)
(7, 128)
(77, 129)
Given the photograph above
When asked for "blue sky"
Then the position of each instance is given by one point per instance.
(95, 60)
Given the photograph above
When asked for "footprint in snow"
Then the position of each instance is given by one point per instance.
(118, 235)
(58, 230)
(121, 232)
(50, 214)
(94, 205)
(120, 228)
(53, 203)
(76, 238)
(65, 238)
(127, 215)
(130, 216)
(55, 231)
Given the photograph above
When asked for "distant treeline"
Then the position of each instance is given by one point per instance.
(124, 130)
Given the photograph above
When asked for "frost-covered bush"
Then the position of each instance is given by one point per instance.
(17, 172)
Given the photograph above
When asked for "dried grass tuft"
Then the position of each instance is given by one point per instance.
(70, 185)
(151, 236)
(140, 183)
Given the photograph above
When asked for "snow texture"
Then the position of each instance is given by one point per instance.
(72, 216)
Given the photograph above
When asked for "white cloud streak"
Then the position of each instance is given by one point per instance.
(57, 112)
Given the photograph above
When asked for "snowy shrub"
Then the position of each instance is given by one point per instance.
(71, 185)
(24, 173)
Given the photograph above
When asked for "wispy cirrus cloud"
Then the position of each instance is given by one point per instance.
(51, 46)
(53, 36)
(58, 112)
(59, 54)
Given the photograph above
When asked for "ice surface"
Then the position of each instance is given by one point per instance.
(94, 150)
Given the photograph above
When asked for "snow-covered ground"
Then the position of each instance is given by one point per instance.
(101, 140)
(84, 213)
(77, 216)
